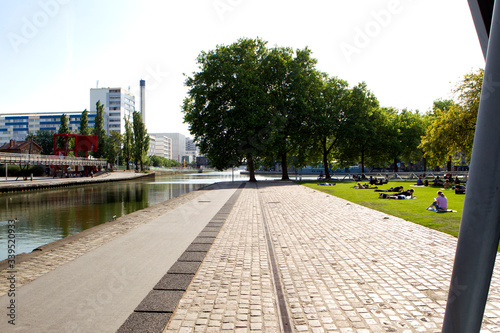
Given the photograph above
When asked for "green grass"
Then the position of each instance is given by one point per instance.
(411, 210)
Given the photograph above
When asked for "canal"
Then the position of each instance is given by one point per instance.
(47, 215)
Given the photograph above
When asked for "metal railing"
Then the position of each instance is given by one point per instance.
(23, 159)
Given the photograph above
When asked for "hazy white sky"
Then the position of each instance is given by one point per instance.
(409, 52)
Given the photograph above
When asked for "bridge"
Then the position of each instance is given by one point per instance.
(33, 159)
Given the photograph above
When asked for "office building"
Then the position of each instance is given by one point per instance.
(178, 145)
(192, 150)
(16, 126)
(160, 145)
(118, 104)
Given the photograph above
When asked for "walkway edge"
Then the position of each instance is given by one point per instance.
(158, 306)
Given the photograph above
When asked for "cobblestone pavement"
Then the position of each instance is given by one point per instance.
(342, 268)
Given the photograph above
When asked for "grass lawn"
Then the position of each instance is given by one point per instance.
(411, 210)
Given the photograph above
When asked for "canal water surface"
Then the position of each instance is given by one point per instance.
(44, 216)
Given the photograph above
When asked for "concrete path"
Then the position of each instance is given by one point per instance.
(99, 290)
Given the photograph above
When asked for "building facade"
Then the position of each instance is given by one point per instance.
(118, 104)
(178, 145)
(16, 126)
(160, 145)
(192, 150)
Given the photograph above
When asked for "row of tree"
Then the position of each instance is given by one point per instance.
(249, 103)
(116, 148)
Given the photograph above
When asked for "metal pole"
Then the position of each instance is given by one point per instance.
(480, 227)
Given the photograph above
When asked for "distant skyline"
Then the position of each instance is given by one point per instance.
(409, 52)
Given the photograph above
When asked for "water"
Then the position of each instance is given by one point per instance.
(48, 215)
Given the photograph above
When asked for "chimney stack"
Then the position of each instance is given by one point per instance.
(142, 84)
(12, 142)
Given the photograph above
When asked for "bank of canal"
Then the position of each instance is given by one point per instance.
(44, 216)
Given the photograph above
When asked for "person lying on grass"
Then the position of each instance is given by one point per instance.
(392, 189)
(440, 203)
(408, 194)
(364, 186)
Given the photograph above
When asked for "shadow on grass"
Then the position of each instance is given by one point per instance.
(411, 210)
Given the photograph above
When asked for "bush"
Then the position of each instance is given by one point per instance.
(15, 171)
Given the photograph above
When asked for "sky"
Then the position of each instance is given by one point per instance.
(409, 52)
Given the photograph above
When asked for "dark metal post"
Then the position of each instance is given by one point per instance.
(480, 227)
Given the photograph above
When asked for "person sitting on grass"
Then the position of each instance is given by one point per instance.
(440, 204)
(420, 182)
(408, 194)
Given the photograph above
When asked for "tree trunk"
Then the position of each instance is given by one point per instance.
(395, 165)
(325, 160)
(362, 161)
(251, 168)
(284, 167)
(425, 166)
(448, 164)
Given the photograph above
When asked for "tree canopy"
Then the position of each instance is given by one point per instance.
(450, 133)
(250, 103)
(226, 105)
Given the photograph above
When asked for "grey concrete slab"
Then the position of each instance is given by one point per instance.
(160, 301)
(192, 256)
(187, 267)
(99, 290)
(208, 234)
(144, 322)
(174, 282)
(198, 248)
(203, 240)
(215, 224)
(211, 229)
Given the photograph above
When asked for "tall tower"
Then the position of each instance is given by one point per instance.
(143, 100)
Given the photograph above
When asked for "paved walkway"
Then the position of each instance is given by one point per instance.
(343, 268)
(287, 258)
(10, 183)
(97, 291)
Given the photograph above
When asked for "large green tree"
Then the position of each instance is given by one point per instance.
(63, 129)
(451, 132)
(329, 118)
(100, 131)
(141, 140)
(44, 139)
(113, 147)
(226, 107)
(361, 140)
(84, 123)
(128, 143)
(291, 80)
(403, 132)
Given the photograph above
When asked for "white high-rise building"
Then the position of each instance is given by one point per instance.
(160, 145)
(118, 103)
(178, 145)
